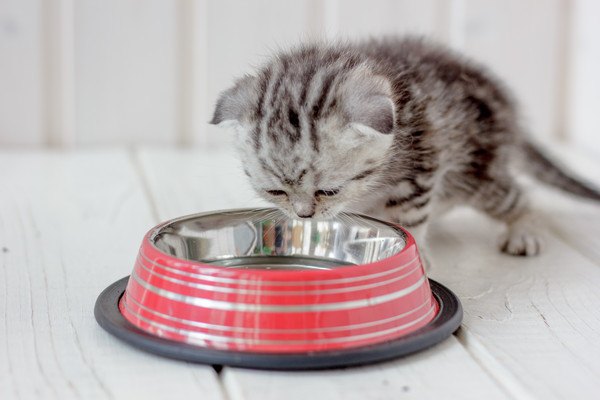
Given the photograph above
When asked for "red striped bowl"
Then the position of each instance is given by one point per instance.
(258, 281)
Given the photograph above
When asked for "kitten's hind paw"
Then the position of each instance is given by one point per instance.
(521, 243)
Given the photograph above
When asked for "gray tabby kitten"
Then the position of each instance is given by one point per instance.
(399, 128)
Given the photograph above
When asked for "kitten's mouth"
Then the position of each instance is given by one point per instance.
(313, 217)
(305, 217)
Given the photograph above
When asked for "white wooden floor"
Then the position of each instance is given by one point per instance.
(71, 223)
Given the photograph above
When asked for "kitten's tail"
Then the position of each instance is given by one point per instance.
(552, 173)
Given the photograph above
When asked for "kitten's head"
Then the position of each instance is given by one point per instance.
(314, 130)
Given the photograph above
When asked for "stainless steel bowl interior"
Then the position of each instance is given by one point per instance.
(268, 239)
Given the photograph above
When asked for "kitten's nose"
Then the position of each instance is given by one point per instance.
(307, 215)
(304, 209)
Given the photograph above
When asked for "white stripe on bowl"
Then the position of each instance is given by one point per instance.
(201, 338)
(227, 328)
(247, 307)
(219, 279)
(210, 288)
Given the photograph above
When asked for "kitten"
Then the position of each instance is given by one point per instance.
(401, 129)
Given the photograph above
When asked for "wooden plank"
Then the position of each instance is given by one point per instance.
(583, 95)
(126, 67)
(70, 224)
(536, 318)
(193, 181)
(21, 87)
(194, 112)
(359, 19)
(521, 42)
(444, 371)
(59, 77)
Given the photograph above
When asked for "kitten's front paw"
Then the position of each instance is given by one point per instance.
(521, 243)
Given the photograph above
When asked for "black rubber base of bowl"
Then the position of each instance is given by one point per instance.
(442, 326)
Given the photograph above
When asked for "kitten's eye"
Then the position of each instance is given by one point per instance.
(277, 192)
(293, 117)
(327, 192)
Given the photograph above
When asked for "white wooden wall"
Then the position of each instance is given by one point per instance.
(109, 72)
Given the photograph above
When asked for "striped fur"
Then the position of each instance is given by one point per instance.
(399, 128)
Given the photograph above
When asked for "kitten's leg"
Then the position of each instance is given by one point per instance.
(411, 205)
(504, 200)
(414, 216)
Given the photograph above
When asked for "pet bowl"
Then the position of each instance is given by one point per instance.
(255, 288)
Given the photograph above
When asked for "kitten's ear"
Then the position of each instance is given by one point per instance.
(367, 102)
(233, 103)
